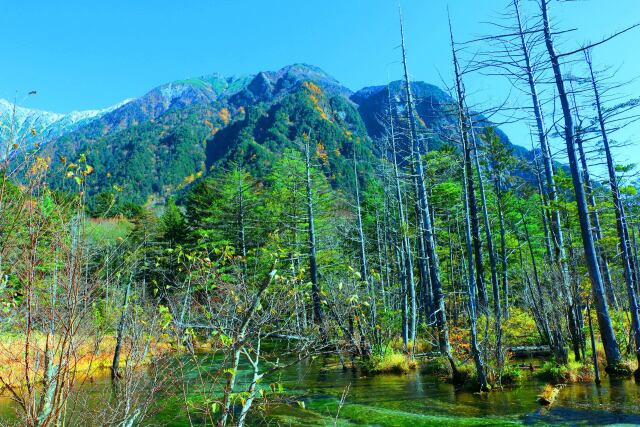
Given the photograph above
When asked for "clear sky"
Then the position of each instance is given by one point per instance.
(92, 54)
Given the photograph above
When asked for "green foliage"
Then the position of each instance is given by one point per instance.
(172, 225)
(106, 231)
(153, 158)
(572, 372)
(520, 328)
(219, 207)
(438, 366)
(511, 374)
(390, 362)
(267, 131)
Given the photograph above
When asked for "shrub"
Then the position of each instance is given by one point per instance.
(466, 376)
(571, 373)
(391, 362)
(556, 373)
(437, 366)
(621, 370)
(511, 375)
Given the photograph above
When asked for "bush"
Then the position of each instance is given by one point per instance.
(571, 373)
(438, 366)
(621, 370)
(466, 376)
(390, 362)
(555, 373)
(520, 328)
(511, 375)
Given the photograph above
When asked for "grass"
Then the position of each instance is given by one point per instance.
(108, 230)
(90, 358)
(390, 362)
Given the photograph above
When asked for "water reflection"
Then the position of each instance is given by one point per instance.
(323, 381)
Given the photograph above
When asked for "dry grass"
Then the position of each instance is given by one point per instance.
(89, 358)
(392, 362)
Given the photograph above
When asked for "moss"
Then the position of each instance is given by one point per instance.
(621, 370)
(370, 415)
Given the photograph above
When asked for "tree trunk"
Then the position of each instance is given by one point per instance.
(363, 260)
(602, 309)
(464, 123)
(313, 267)
(428, 236)
(115, 365)
(497, 311)
(594, 350)
(597, 230)
(475, 350)
(621, 218)
(407, 281)
(550, 194)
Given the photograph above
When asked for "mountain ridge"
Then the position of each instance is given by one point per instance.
(153, 145)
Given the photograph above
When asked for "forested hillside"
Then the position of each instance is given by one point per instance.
(153, 147)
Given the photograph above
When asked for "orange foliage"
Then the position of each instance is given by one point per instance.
(316, 92)
(224, 115)
(190, 178)
(322, 154)
(41, 164)
(314, 88)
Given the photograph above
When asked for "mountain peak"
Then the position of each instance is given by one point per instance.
(45, 125)
(308, 71)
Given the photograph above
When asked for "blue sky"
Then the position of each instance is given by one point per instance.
(90, 54)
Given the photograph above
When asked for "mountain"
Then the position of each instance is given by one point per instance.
(435, 109)
(43, 126)
(297, 107)
(153, 146)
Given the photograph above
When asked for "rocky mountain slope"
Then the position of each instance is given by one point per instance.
(150, 147)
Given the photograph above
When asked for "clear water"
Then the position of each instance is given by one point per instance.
(414, 399)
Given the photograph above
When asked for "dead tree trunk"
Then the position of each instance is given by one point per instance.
(115, 365)
(313, 266)
(621, 218)
(604, 320)
(428, 236)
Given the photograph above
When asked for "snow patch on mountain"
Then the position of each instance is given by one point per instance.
(26, 126)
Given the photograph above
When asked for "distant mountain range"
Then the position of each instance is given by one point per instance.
(38, 125)
(154, 145)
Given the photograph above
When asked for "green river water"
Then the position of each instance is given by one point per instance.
(313, 389)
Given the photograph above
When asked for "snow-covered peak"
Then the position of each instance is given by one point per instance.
(21, 115)
(32, 125)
